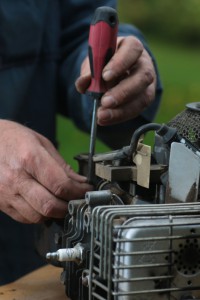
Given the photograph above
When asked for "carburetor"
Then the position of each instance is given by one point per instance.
(137, 235)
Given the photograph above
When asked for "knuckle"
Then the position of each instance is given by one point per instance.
(132, 49)
(47, 209)
(148, 75)
(60, 189)
(118, 114)
(122, 65)
(66, 167)
(123, 94)
(118, 65)
(9, 177)
(27, 158)
(135, 44)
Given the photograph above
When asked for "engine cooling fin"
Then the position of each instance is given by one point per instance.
(145, 252)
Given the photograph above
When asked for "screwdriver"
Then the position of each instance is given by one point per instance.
(102, 45)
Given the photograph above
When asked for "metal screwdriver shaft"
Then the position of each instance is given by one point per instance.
(92, 141)
(102, 45)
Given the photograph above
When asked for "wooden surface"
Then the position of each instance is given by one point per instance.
(42, 284)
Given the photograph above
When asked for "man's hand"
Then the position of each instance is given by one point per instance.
(35, 182)
(131, 80)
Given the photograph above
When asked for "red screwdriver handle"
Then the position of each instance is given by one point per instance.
(102, 45)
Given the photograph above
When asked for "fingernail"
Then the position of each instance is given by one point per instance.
(108, 75)
(108, 101)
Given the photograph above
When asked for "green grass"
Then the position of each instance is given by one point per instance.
(73, 141)
(179, 69)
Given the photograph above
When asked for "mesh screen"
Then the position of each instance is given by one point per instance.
(187, 124)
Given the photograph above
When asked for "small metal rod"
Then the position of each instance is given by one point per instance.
(92, 141)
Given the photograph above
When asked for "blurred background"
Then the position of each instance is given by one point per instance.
(172, 30)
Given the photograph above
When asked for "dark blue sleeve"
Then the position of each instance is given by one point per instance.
(79, 107)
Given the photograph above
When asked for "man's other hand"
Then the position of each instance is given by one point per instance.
(35, 181)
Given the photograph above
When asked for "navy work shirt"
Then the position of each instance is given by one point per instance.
(42, 45)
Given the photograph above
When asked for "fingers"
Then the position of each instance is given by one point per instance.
(83, 82)
(33, 204)
(35, 182)
(131, 82)
(127, 111)
(132, 85)
(12, 202)
(49, 147)
(128, 51)
(129, 48)
(132, 94)
(27, 200)
(130, 97)
(61, 182)
(21, 211)
(43, 204)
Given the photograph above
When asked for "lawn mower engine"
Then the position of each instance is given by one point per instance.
(137, 235)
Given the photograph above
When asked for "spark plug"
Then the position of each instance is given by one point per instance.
(67, 254)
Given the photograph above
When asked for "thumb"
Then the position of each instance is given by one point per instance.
(82, 83)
